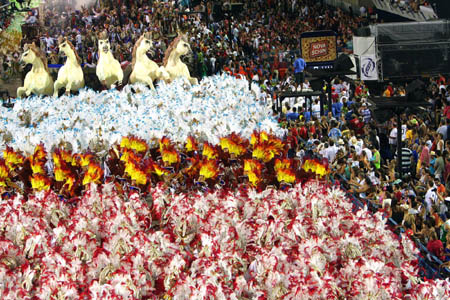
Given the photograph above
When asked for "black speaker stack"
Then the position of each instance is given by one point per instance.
(343, 63)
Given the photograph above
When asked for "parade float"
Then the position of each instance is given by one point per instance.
(182, 192)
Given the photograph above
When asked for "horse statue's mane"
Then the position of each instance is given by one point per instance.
(136, 46)
(172, 46)
(73, 49)
(41, 55)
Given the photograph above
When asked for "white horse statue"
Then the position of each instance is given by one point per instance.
(145, 70)
(172, 59)
(38, 81)
(70, 75)
(108, 70)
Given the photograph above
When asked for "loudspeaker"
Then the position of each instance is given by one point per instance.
(217, 12)
(343, 63)
(416, 91)
(237, 8)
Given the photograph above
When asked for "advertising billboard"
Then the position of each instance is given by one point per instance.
(318, 47)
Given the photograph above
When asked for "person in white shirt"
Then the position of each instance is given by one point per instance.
(305, 10)
(359, 145)
(367, 152)
(373, 177)
(293, 5)
(213, 65)
(331, 152)
(316, 109)
(393, 139)
(443, 129)
(256, 42)
(404, 129)
(306, 85)
(363, 11)
(431, 196)
(79, 41)
(31, 19)
(88, 20)
(49, 42)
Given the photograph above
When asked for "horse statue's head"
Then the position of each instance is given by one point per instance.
(183, 46)
(67, 48)
(143, 45)
(32, 54)
(103, 43)
(179, 46)
(29, 56)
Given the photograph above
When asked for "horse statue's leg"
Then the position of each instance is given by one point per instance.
(162, 74)
(58, 84)
(21, 91)
(149, 82)
(120, 78)
(69, 87)
(193, 80)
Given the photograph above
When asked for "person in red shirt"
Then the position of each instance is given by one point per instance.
(303, 132)
(294, 131)
(241, 73)
(312, 129)
(357, 125)
(441, 80)
(447, 168)
(227, 70)
(436, 248)
(359, 90)
(446, 110)
(291, 141)
(390, 88)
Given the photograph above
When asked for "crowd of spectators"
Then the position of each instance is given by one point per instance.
(261, 39)
(361, 151)
(261, 44)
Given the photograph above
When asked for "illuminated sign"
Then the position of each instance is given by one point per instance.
(318, 47)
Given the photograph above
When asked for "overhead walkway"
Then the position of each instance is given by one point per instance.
(404, 10)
